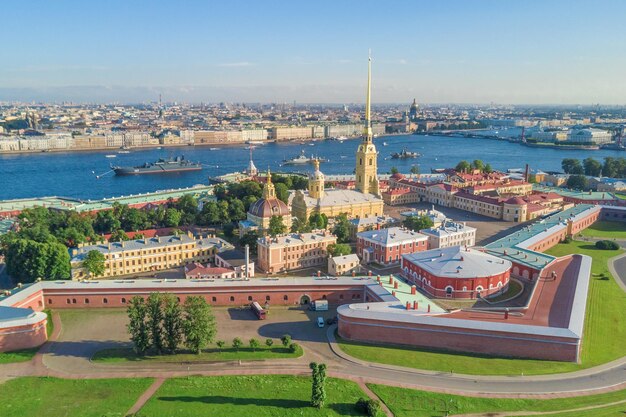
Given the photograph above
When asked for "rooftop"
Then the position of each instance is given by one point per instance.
(448, 228)
(391, 236)
(340, 197)
(459, 262)
(581, 195)
(297, 239)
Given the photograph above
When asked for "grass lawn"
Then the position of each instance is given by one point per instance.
(208, 355)
(405, 402)
(52, 397)
(258, 396)
(604, 338)
(514, 289)
(25, 355)
(606, 229)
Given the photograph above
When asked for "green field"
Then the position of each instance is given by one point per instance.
(613, 230)
(405, 402)
(258, 396)
(25, 355)
(52, 397)
(208, 355)
(604, 338)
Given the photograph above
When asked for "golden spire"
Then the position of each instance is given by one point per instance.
(269, 191)
(368, 120)
(316, 164)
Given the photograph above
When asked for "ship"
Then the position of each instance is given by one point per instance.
(302, 159)
(162, 166)
(404, 154)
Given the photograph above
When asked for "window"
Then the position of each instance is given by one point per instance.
(232, 298)
(123, 300)
(267, 298)
(285, 297)
(249, 298)
(49, 300)
(214, 299)
(73, 300)
(86, 300)
(105, 301)
(68, 301)
(341, 296)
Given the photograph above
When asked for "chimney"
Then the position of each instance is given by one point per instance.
(415, 305)
(247, 251)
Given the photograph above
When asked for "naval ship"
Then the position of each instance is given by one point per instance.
(162, 166)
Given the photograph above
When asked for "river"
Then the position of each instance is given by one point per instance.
(71, 174)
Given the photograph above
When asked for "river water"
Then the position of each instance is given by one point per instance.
(72, 174)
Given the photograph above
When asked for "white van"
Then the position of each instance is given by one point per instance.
(320, 322)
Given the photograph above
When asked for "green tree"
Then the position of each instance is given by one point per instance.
(269, 342)
(285, 340)
(394, 170)
(237, 344)
(137, 327)
(118, 236)
(478, 164)
(223, 211)
(342, 229)
(417, 223)
(572, 166)
(577, 182)
(463, 166)
(209, 215)
(188, 205)
(339, 249)
(229, 230)
(172, 217)
(276, 226)
(250, 239)
(488, 169)
(318, 386)
(154, 319)
(172, 322)
(94, 263)
(236, 210)
(415, 170)
(282, 192)
(592, 167)
(318, 221)
(299, 226)
(254, 344)
(57, 262)
(199, 323)
(220, 344)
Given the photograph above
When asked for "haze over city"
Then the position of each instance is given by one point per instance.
(535, 52)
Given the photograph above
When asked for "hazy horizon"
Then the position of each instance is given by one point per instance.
(530, 53)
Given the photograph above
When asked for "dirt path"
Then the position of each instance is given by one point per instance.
(374, 397)
(541, 413)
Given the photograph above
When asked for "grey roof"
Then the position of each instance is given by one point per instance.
(391, 236)
(448, 228)
(340, 197)
(458, 262)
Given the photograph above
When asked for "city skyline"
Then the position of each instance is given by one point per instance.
(449, 52)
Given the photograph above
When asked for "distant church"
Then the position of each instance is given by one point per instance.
(365, 201)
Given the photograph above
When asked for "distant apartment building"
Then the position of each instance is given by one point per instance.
(343, 265)
(450, 233)
(148, 255)
(293, 251)
(10, 143)
(400, 196)
(292, 132)
(254, 134)
(595, 136)
(363, 224)
(386, 246)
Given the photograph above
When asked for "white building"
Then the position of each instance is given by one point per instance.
(449, 234)
(342, 265)
(596, 136)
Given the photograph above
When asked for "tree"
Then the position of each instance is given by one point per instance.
(478, 164)
(198, 323)
(572, 166)
(607, 245)
(28, 260)
(299, 226)
(339, 249)
(318, 388)
(237, 344)
(592, 167)
(223, 211)
(106, 222)
(285, 340)
(229, 230)
(394, 170)
(220, 344)
(342, 229)
(577, 182)
(118, 236)
(282, 192)
(137, 327)
(463, 166)
(254, 344)
(172, 322)
(154, 319)
(417, 223)
(250, 238)
(236, 210)
(209, 215)
(276, 226)
(94, 263)
(172, 217)
(318, 221)
(188, 206)
(269, 342)
(415, 170)
(488, 169)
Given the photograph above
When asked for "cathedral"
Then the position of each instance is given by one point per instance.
(363, 202)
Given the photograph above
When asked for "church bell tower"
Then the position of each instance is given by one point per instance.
(366, 155)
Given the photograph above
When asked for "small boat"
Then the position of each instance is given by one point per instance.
(404, 154)
(385, 143)
(159, 147)
(110, 156)
(311, 144)
(123, 151)
(213, 149)
(255, 142)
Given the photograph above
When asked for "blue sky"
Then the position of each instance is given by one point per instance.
(315, 51)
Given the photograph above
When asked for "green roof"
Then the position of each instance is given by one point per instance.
(581, 195)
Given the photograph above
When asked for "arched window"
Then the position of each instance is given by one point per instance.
(86, 300)
(232, 298)
(449, 290)
(73, 300)
(105, 301)
(214, 299)
(123, 300)
(249, 298)
(49, 300)
(267, 298)
(285, 297)
(69, 301)
(324, 297)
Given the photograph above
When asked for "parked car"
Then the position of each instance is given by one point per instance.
(320, 321)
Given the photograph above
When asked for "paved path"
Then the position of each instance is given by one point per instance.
(617, 267)
(143, 399)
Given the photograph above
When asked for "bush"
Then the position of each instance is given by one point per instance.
(293, 348)
(607, 245)
(567, 239)
(286, 340)
(368, 407)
